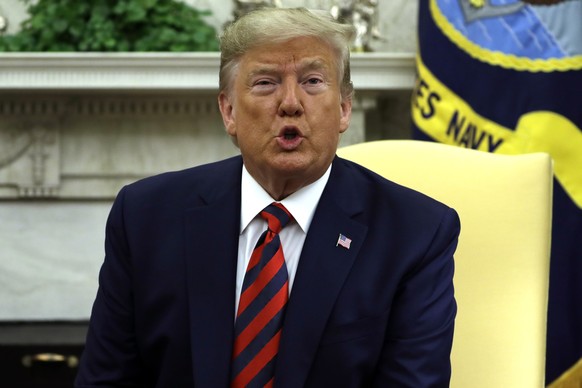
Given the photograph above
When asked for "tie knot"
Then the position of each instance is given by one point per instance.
(277, 216)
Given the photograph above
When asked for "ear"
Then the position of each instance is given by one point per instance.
(346, 114)
(227, 112)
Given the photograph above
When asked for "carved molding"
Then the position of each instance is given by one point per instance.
(95, 105)
(29, 161)
(30, 107)
(87, 145)
(139, 107)
(373, 72)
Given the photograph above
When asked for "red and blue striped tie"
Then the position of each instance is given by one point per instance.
(261, 309)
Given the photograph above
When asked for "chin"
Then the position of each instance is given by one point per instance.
(295, 167)
(292, 160)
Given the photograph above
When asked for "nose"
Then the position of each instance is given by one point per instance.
(290, 104)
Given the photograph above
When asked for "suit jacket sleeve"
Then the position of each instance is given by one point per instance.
(419, 338)
(110, 357)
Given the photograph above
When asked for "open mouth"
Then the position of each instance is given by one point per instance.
(290, 138)
(290, 133)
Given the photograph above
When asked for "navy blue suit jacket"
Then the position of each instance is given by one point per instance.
(379, 314)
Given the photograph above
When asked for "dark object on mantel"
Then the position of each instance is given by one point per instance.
(40, 354)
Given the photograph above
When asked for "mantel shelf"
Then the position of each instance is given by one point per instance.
(143, 72)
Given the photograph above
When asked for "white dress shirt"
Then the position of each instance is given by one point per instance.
(254, 199)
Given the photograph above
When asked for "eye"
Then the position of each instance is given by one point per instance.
(313, 81)
(263, 82)
(263, 85)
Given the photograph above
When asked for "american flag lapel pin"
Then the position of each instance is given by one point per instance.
(343, 241)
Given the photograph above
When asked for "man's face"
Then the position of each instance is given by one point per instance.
(286, 112)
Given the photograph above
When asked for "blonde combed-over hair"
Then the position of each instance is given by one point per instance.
(272, 25)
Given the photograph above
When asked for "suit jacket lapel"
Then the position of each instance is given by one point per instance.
(323, 268)
(212, 230)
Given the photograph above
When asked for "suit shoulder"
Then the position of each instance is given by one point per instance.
(190, 180)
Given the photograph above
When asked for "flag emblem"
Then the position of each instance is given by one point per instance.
(343, 241)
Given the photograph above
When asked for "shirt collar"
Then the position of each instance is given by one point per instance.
(301, 204)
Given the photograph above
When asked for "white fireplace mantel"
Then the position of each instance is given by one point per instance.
(374, 72)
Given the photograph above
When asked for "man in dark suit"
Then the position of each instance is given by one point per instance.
(366, 297)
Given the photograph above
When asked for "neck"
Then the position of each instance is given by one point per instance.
(282, 189)
(279, 187)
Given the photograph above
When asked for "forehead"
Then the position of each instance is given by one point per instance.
(301, 52)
